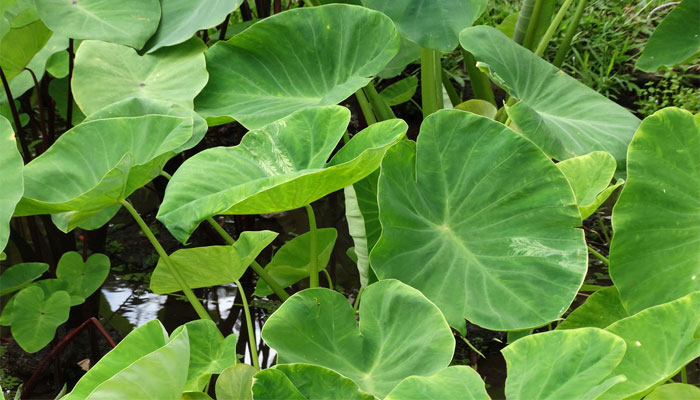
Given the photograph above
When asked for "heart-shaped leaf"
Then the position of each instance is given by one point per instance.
(561, 115)
(35, 317)
(235, 383)
(302, 382)
(675, 40)
(590, 176)
(433, 26)
(211, 265)
(600, 310)
(655, 254)
(20, 275)
(210, 353)
(480, 221)
(457, 382)
(132, 152)
(318, 326)
(129, 22)
(300, 58)
(11, 180)
(570, 364)
(181, 19)
(655, 355)
(83, 277)
(279, 167)
(106, 73)
(292, 261)
(19, 46)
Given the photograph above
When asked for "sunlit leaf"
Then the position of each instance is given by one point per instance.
(235, 383)
(675, 391)
(302, 382)
(590, 176)
(19, 46)
(11, 181)
(456, 382)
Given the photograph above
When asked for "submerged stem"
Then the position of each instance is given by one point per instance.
(313, 248)
(249, 325)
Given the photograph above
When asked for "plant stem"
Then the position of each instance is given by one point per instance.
(203, 314)
(69, 110)
(356, 304)
(313, 248)
(481, 86)
(249, 325)
(15, 117)
(553, 26)
(599, 256)
(570, 32)
(532, 25)
(684, 375)
(365, 107)
(451, 91)
(430, 81)
(328, 277)
(381, 109)
(279, 291)
(224, 27)
(523, 21)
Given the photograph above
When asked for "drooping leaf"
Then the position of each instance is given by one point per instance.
(600, 310)
(318, 326)
(675, 391)
(11, 180)
(211, 265)
(561, 115)
(132, 151)
(210, 353)
(181, 19)
(20, 275)
(655, 253)
(401, 91)
(570, 364)
(435, 25)
(362, 215)
(304, 381)
(453, 383)
(128, 22)
(235, 383)
(279, 167)
(106, 73)
(292, 261)
(35, 317)
(480, 221)
(19, 46)
(675, 40)
(138, 343)
(590, 176)
(300, 58)
(83, 277)
(654, 355)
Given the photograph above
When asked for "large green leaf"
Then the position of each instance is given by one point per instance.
(211, 265)
(83, 277)
(480, 221)
(20, 275)
(300, 58)
(292, 261)
(675, 40)
(561, 115)
(433, 25)
(181, 19)
(600, 310)
(235, 383)
(279, 167)
(570, 364)
(129, 22)
(401, 333)
(660, 340)
(590, 176)
(138, 343)
(302, 382)
(19, 46)
(98, 163)
(655, 253)
(210, 353)
(11, 180)
(35, 317)
(453, 383)
(675, 391)
(106, 73)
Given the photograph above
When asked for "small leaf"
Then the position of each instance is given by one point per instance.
(83, 277)
(235, 383)
(20, 275)
(600, 310)
(35, 317)
(401, 91)
(302, 382)
(478, 107)
(19, 46)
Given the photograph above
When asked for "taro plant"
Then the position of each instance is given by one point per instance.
(475, 218)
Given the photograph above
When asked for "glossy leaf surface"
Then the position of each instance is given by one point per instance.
(11, 180)
(561, 115)
(655, 253)
(106, 73)
(36, 316)
(292, 261)
(211, 265)
(129, 22)
(20, 275)
(456, 382)
(318, 326)
(297, 59)
(304, 381)
(480, 221)
(279, 167)
(235, 383)
(83, 277)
